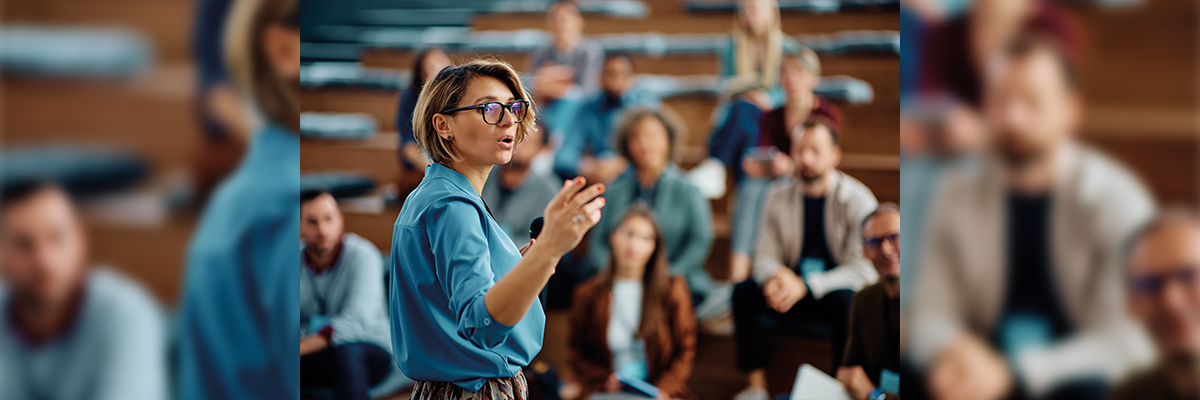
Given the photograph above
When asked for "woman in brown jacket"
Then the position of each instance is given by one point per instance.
(634, 318)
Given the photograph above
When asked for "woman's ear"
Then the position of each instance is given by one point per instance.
(441, 124)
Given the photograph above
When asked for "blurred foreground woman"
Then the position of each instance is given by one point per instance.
(239, 329)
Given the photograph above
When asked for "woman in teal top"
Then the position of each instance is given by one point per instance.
(463, 299)
(646, 138)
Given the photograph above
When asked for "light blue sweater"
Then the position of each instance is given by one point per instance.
(115, 349)
(348, 296)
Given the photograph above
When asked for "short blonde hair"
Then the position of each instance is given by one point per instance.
(444, 91)
(249, 69)
(807, 60)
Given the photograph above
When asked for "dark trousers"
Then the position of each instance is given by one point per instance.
(351, 369)
(559, 291)
(739, 132)
(750, 330)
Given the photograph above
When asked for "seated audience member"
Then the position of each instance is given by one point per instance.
(567, 69)
(69, 332)
(1019, 290)
(800, 75)
(347, 340)
(427, 63)
(634, 320)
(647, 139)
(516, 193)
(872, 360)
(587, 146)
(1163, 292)
(749, 73)
(750, 58)
(808, 261)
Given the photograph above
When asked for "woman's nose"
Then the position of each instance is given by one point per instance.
(506, 118)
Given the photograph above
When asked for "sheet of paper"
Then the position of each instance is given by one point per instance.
(812, 384)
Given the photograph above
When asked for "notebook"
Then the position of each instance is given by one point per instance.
(812, 384)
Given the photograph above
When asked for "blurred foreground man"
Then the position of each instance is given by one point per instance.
(1163, 274)
(67, 332)
(1019, 294)
(872, 361)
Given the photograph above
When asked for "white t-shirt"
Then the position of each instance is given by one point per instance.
(623, 321)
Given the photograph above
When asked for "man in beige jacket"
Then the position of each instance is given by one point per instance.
(1019, 292)
(808, 260)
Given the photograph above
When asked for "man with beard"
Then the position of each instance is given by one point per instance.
(346, 342)
(872, 360)
(67, 331)
(587, 144)
(809, 256)
(1019, 294)
(1163, 282)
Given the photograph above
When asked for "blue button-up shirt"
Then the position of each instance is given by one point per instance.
(447, 251)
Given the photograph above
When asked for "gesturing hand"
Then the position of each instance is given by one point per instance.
(570, 215)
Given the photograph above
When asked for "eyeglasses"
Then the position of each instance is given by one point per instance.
(1153, 285)
(874, 243)
(493, 111)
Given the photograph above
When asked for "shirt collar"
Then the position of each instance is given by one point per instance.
(455, 178)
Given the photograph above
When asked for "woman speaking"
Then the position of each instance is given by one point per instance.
(463, 305)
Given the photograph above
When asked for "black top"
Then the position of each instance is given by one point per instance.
(873, 340)
(814, 245)
(1032, 308)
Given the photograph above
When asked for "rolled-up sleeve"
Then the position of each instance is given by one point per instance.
(462, 263)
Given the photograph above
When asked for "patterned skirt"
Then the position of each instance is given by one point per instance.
(493, 389)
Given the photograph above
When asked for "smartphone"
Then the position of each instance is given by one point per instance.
(762, 153)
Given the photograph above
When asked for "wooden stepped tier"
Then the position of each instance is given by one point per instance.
(167, 23)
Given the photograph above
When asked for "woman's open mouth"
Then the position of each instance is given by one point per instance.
(507, 142)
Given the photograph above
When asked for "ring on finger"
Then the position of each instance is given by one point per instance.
(578, 219)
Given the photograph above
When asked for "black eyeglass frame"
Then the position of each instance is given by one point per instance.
(503, 107)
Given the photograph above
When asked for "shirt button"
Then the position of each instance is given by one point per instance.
(487, 321)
